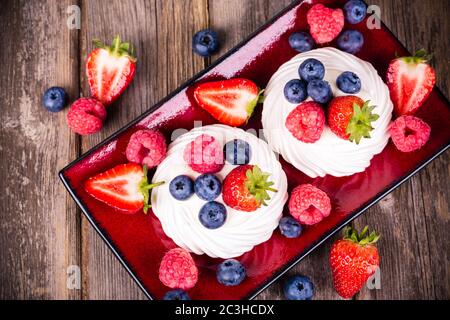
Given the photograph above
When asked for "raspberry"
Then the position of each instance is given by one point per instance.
(409, 133)
(146, 147)
(178, 270)
(309, 205)
(306, 122)
(86, 116)
(325, 24)
(204, 154)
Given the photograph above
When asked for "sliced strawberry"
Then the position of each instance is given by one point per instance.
(110, 70)
(231, 102)
(124, 187)
(410, 81)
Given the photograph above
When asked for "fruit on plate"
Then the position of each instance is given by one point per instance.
(309, 205)
(349, 82)
(204, 154)
(325, 24)
(205, 42)
(181, 187)
(320, 91)
(350, 118)
(298, 288)
(124, 187)
(295, 91)
(355, 11)
(353, 259)
(350, 41)
(86, 116)
(178, 270)
(176, 294)
(110, 70)
(146, 147)
(311, 69)
(213, 215)
(231, 102)
(301, 41)
(306, 122)
(289, 227)
(410, 81)
(54, 99)
(237, 152)
(207, 187)
(246, 188)
(230, 272)
(409, 133)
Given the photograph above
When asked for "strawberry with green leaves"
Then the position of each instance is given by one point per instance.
(350, 118)
(246, 188)
(353, 259)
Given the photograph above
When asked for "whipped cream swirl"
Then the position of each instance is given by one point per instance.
(331, 154)
(241, 230)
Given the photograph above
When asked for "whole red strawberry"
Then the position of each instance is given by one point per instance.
(245, 188)
(110, 70)
(410, 81)
(350, 118)
(353, 260)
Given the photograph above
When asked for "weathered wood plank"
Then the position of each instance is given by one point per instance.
(162, 33)
(39, 224)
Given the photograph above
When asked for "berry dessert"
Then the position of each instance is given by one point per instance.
(232, 210)
(110, 70)
(299, 288)
(325, 24)
(146, 147)
(178, 270)
(328, 153)
(309, 205)
(409, 133)
(230, 273)
(86, 116)
(54, 99)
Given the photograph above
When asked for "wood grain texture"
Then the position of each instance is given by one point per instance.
(39, 224)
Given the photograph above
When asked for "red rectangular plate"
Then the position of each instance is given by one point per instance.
(138, 240)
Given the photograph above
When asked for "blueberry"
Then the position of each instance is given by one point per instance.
(320, 91)
(298, 288)
(350, 41)
(207, 187)
(181, 187)
(213, 215)
(355, 11)
(289, 227)
(177, 294)
(230, 272)
(349, 82)
(301, 41)
(205, 42)
(311, 69)
(237, 152)
(295, 91)
(54, 99)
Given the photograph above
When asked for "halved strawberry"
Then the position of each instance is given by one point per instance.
(124, 187)
(410, 81)
(231, 102)
(110, 70)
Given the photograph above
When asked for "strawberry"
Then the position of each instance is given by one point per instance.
(245, 188)
(410, 81)
(350, 118)
(124, 187)
(110, 70)
(229, 101)
(353, 260)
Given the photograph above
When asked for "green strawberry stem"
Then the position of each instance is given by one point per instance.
(360, 125)
(361, 238)
(117, 48)
(252, 105)
(258, 185)
(420, 56)
(145, 187)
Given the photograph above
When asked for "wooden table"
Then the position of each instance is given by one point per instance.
(41, 230)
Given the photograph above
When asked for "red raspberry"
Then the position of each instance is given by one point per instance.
(309, 205)
(306, 122)
(409, 133)
(146, 147)
(86, 116)
(178, 270)
(325, 24)
(204, 155)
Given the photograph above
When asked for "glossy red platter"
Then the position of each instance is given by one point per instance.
(138, 240)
